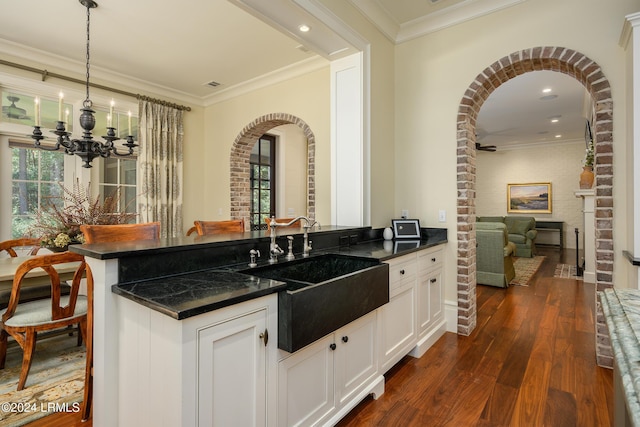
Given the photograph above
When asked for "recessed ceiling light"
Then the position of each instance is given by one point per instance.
(546, 90)
(304, 28)
(558, 136)
(555, 120)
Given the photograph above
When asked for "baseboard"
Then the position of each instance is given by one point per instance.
(376, 388)
(451, 315)
(429, 339)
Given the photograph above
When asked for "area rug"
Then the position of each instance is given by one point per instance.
(525, 269)
(55, 382)
(566, 271)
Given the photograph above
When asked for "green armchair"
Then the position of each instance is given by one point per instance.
(521, 231)
(494, 265)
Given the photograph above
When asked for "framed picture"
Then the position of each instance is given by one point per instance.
(406, 228)
(529, 198)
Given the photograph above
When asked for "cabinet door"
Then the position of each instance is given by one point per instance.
(429, 300)
(306, 384)
(397, 320)
(356, 356)
(232, 372)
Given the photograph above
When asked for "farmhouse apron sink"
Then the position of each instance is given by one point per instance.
(325, 292)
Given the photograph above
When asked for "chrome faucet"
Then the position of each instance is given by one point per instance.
(307, 244)
(309, 223)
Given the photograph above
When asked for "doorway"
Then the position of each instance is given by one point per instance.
(587, 72)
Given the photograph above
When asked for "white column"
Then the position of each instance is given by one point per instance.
(105, 343)
(349, 147)
(589, 236)
(630, 41)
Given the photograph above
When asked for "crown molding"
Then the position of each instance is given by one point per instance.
(444, 18)
(74, 68)
(286, 73)
(539, 144)
(630, 23)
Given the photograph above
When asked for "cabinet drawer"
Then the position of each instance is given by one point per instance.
(430, 259)
(402, 272)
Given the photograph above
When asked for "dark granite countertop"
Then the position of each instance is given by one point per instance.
(196, 292)
(190, 294)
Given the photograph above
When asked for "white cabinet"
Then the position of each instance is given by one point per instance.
(320, 383)
(431, 323)
(208, 370)
(413, 320)
(232, 371)
(397, 318)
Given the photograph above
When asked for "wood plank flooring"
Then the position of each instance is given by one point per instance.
(529, 362)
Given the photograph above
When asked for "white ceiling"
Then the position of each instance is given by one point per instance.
(173, 48)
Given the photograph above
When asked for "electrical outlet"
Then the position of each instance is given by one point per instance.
(442, 215)
(404, 213)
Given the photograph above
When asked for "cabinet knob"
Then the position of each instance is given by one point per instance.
(434, 280)
(332, 346)
(264, 337)
(401, 271)
(433, 260)
(345, 338)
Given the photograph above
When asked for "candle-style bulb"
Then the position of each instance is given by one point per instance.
(60, 104)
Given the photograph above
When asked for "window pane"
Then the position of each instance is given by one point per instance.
(20, 226)
(129, 202)
(51, 166)
(25, 198)
(265, 202)
(128, 171)
(265, 172)
(110, 171)
(25, 164)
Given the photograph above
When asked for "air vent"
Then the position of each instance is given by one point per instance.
(212, 84)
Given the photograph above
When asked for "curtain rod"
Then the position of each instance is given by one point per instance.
(45, 74)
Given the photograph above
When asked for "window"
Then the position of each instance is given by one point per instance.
(35, 176)
(262, 181)
(120, 173)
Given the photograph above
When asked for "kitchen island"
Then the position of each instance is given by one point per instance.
(149, 346)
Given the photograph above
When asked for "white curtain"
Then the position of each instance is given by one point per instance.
(160, 166)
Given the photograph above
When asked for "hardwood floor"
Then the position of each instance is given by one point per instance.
(529, 362)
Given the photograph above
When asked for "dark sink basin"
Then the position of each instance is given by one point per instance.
(325, 293)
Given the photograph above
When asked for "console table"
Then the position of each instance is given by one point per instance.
(552, 226)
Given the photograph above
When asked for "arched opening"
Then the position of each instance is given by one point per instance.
(240, 168)
(587, 72)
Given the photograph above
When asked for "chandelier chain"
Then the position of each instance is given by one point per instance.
(88, 101)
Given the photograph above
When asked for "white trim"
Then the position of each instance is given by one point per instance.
(443, 18)
(451, 315)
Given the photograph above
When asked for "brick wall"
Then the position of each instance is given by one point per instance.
(239, 162)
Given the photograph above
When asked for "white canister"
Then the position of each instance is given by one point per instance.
(387, 233)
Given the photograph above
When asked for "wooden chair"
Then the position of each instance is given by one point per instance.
(283, 221)
(101, 234)
(219, 227)
(24, 320)
(120, 232)
(28, 245)
(191, 231)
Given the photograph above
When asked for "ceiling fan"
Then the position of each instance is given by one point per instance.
(485, 147)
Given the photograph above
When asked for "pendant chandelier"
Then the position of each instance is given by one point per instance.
(86, 148)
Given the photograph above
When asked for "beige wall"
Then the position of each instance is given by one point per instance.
(206, 172)
(559, 164)
(433, 72)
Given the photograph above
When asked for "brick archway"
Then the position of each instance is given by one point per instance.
(239, 162)
(587, 72)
